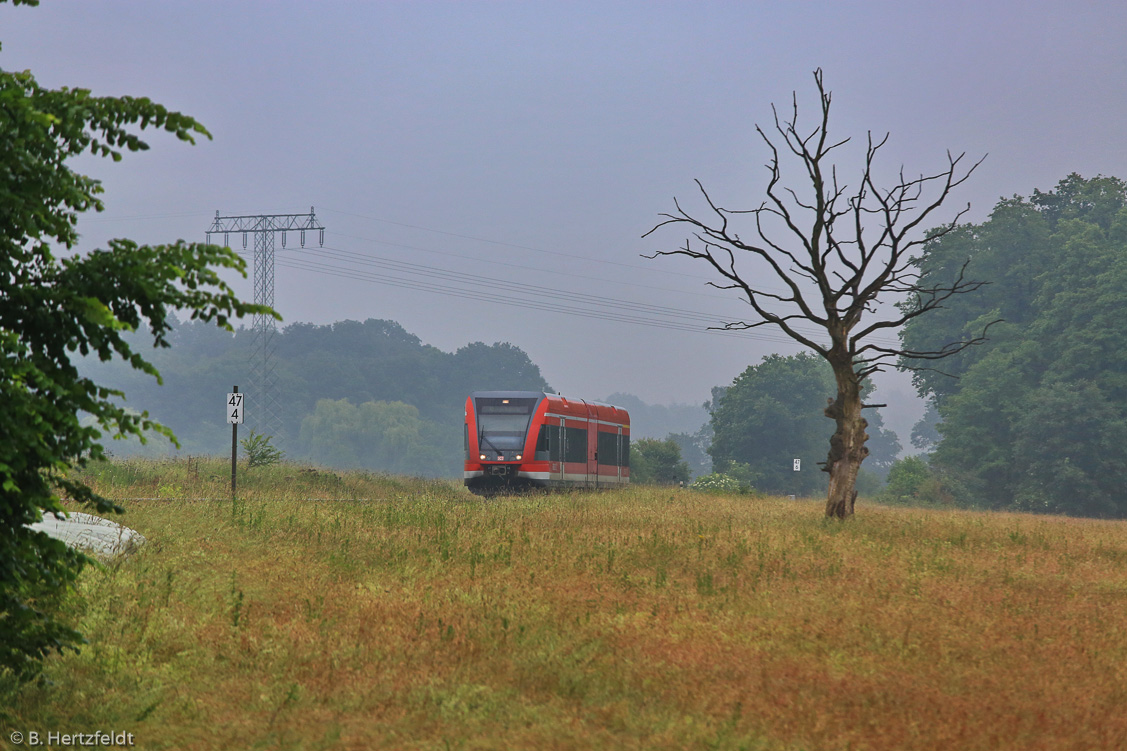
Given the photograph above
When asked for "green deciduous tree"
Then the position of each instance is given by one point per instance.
(910, 481)
(654, 462)
(53, 309)
(1035, 419)
(1070, 452)
(772, 414)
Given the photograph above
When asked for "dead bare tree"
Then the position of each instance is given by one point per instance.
(842, 253)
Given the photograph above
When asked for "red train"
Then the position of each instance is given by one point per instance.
(522, 439)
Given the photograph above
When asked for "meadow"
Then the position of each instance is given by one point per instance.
(359, 611)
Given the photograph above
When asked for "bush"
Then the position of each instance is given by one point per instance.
(259, 452)
(654, 462)
(912, 481)
(717, 483)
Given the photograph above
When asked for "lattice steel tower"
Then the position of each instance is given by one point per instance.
(264, 408)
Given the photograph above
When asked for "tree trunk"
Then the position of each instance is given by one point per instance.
(847, 446)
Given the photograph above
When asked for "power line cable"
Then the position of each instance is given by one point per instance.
(586, 259)
(352, 273)
(513, 297)
(554, 272)
(493, 282)
(536, 291)
(517, 246)
(421, 269)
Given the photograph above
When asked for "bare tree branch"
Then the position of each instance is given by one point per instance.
(838, 253)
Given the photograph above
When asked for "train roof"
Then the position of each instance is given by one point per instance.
(508, 394)
(538, 395)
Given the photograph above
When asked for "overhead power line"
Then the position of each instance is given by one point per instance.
(342, 263)
(518, 293)
(510, 300)
(883, 341)
(699, 319)
(553, 272)
(421, 269)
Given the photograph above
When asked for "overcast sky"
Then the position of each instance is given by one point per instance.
(529, 145)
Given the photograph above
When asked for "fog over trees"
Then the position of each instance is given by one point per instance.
(370, 395)
(353, 394)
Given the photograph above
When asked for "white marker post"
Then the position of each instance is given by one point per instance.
(234, 408)
(797, 468)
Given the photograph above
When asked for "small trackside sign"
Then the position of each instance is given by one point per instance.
(234, 408)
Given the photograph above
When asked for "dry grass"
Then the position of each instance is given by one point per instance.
(423, 618)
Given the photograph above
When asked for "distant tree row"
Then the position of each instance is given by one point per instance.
(1036, 418)
(371, 395)
(354, 394)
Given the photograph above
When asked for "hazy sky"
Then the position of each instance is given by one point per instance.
(514, 152)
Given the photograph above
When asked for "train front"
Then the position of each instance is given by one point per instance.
(499, 450)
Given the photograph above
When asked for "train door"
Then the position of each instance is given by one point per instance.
(618, 455)
(593, 466)
(592, 446)
(559, 455)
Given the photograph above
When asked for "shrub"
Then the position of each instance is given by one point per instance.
(717, 483)
(654, 462)
(259, 452)
(912, 481)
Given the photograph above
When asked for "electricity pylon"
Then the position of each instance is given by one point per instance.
(264, 409)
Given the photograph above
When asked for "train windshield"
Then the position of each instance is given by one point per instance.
(502, 424)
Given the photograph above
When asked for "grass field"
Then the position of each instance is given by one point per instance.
(356, 612)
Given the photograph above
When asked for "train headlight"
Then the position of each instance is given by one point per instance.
(518, 457)
(482, 457)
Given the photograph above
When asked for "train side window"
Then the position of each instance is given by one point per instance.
(608, 448)
(625, 458)
(544, 442)
(575, 445)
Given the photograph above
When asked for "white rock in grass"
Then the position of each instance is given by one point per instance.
(91, 534)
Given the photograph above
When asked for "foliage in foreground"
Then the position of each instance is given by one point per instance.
(391, 613)
(53, 309)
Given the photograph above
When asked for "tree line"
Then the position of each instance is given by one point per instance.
(1035, 418)
(370, 395)
(354, 394)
